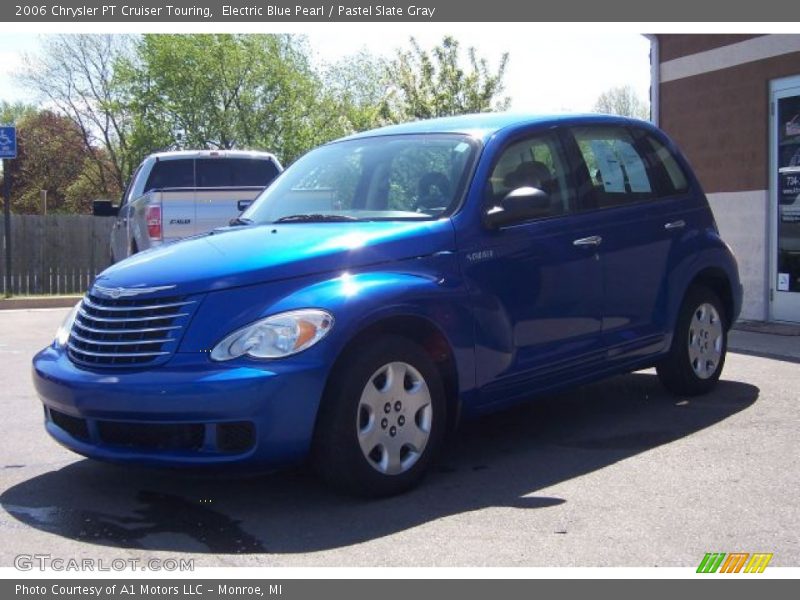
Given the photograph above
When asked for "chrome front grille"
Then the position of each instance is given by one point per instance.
(127, 332)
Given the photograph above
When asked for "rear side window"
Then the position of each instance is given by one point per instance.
(617, 170)
(171, 174)
(675, 181)
(235, 172)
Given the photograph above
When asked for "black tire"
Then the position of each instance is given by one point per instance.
(677, 371)
(337, 453)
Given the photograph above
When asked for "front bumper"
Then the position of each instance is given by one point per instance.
(188, 412)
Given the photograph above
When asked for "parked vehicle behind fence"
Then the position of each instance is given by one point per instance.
(392, 283)
(173, 195)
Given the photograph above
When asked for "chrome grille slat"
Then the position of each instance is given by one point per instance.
(90, 304)
(82, 313)
(114, 354)
(129, 331)
(143, 330)
(141, 342)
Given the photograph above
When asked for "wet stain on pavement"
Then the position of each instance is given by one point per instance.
(157, 513)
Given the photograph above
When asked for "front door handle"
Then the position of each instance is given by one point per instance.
(679, 224)
(592, 241)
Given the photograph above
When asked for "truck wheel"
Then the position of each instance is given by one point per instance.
(382, 420)
(699, 344)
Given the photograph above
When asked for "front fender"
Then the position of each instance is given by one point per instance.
(356, 301)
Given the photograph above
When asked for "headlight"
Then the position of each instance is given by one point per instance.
(277, 336)
(62, 334)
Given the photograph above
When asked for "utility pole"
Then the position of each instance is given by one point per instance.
(8, 150)
(7, 222)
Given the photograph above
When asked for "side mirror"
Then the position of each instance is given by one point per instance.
(519, 205)
(104, 208)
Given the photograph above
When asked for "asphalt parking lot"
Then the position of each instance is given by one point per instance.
(612, 474)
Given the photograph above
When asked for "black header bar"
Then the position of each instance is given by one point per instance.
(299, 11)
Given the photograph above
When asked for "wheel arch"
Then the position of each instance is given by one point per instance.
(717, 280)
(427, 335)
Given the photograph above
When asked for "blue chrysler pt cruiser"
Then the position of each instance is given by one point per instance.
(390, 283)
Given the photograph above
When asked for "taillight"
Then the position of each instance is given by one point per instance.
(152, 217)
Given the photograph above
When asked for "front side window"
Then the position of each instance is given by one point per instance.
(379, 178)
(617, 171)
(534, 162)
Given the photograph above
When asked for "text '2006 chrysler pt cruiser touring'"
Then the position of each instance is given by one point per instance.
(390, 283)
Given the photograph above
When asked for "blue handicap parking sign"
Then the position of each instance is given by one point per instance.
(8, 142)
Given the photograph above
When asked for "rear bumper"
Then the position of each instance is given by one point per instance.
(189, 412)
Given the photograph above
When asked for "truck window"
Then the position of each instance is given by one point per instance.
(171, 174)
(235, 172)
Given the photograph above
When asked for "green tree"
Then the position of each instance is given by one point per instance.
(355, 89)
(51, 157)
(74, 75)
(11, 113)
(437, 83)
(226, 91)
(622, 101)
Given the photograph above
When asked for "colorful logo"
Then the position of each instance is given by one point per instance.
(734, 562)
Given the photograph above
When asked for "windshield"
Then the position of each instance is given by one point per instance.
(379, 178)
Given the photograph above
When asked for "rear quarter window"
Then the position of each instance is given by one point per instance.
(674, 180)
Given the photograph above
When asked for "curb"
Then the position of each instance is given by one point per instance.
(44, 302)
(768, 327)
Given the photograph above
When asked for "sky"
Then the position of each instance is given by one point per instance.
(548, 71)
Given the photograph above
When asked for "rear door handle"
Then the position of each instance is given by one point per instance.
(679, 224)
(592, 241)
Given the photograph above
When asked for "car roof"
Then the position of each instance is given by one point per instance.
(186, 154)
(484, 125)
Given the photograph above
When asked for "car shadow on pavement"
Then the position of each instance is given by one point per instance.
(496, 461)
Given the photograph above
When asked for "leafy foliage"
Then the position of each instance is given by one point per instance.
(51, 156)
(128, 96)
(74, 74)
(435, 83)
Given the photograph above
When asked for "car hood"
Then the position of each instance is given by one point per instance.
(234, 257)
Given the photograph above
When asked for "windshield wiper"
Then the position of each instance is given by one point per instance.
(314, 218)
(240, 221)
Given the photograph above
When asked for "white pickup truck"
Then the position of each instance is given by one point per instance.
(172, 195)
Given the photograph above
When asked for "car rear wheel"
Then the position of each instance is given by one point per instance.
(699, 345)
(382, 420)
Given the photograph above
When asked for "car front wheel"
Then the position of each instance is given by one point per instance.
(382, 419)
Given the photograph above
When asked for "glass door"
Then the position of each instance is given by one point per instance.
(785, 200)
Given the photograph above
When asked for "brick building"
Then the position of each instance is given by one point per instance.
(732, 103)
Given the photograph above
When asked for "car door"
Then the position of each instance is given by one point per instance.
(620, 186)
(536, 283)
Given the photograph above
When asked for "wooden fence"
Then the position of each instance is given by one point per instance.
(55, 254)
